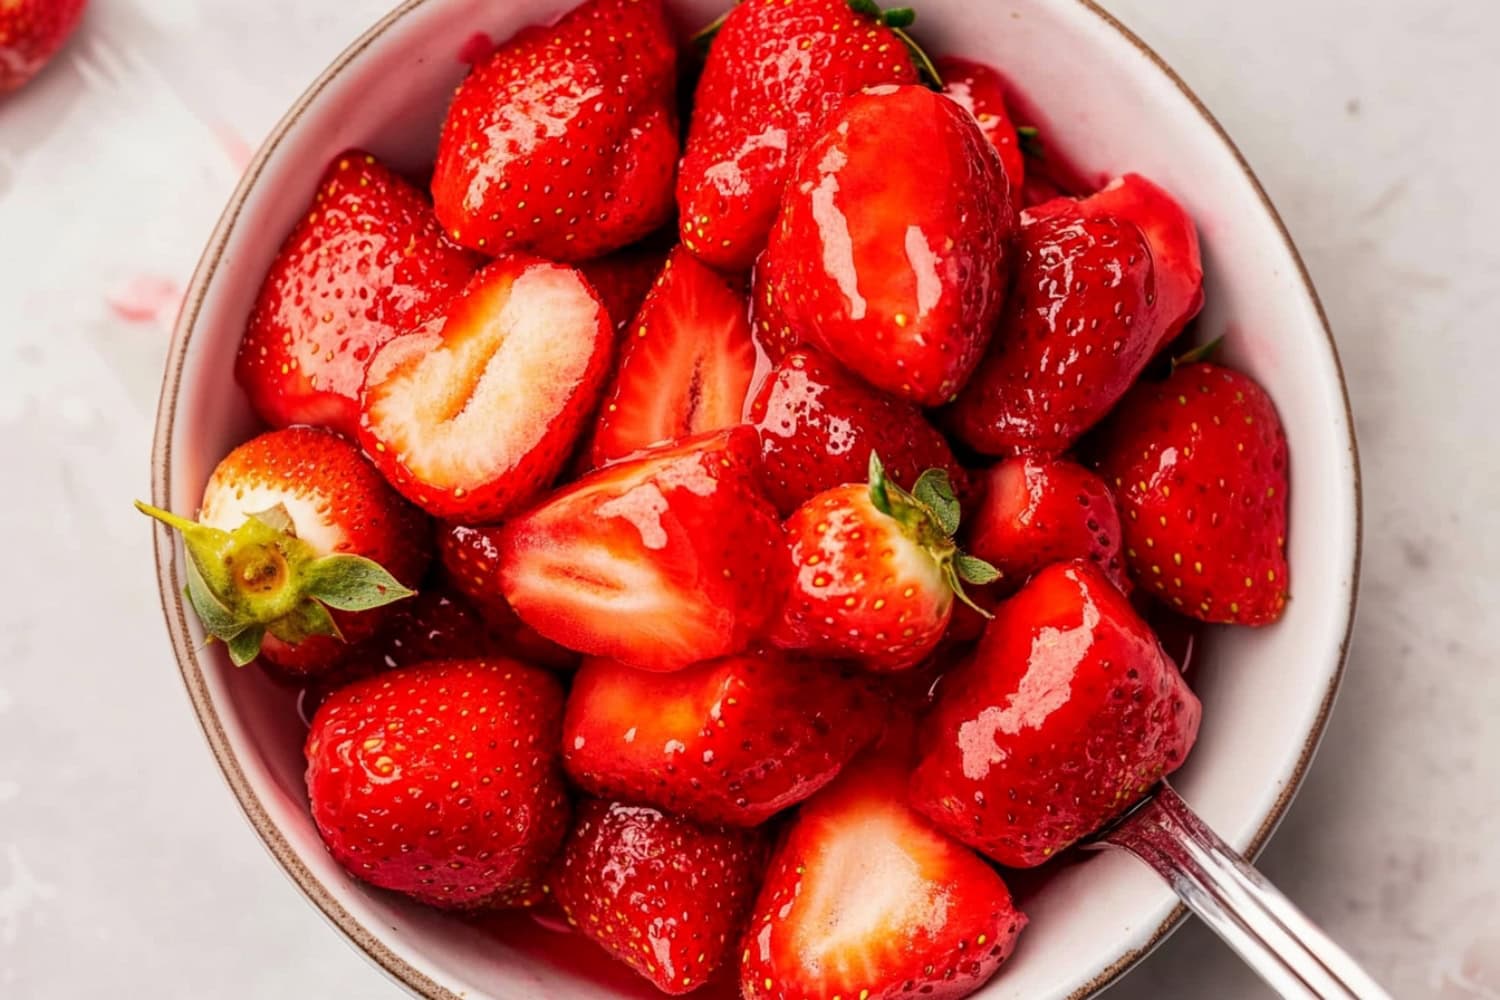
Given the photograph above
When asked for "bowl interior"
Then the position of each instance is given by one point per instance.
(1265, 692)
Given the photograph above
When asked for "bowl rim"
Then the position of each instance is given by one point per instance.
(169, 581)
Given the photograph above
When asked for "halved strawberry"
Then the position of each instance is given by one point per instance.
(660, 893)
(819, 425)
(368, 262)
(1037, 512)
(474, 414)
(471, 564)
(661, 561)
(685, 362)
(1170, 234)
(865, 898)
(734, 740)
(299, 545)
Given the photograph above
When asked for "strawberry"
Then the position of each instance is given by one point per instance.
(441, 781)
(889, 251)
(661, 561)
(299, 541)
(475, 413)
(1066, 713)
(660, 893)
(874, 571)
(366, 263)
(685, 363)
(768, 324)
(819, 425)
(1038, 511)
(1199, 464)
(563, 141)
(980, 90)
(775, 69)
(1170, 234)
(734, 740)
(471, 563)
(623, 278)
(31, 32)
(864, 898)
(1077, 331)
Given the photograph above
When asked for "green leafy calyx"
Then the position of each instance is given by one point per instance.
(929, 515)
(262, 578)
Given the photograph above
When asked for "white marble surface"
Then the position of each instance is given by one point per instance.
(125, 868)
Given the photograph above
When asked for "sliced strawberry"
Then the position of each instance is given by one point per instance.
(1065, 714)
(661, 561)
(471, 564)
(1076, 333)
(864, 898)
(1199, 463)
(368, 262)
(299, 546)
(1037, 512)
(660, 893)
(818, 426)
(734, 740)
(890, 248)
(623, 278)
(1170, 234)
(440, 781)
(475, 414)
(685, 363)
(564, 140)
(980, 90)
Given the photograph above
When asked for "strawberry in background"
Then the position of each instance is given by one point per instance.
(31, 33)
(980, 90)
(367, 262)
(564, 141)
(755, 108)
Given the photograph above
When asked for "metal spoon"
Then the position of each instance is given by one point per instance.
(1274, 938)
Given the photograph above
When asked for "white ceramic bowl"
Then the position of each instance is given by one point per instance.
(1115, 106)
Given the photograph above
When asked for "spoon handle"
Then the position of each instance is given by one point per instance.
(1273, 937)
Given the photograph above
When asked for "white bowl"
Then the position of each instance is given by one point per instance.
(1115, 106)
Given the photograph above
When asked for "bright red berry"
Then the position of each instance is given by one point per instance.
(980, 90)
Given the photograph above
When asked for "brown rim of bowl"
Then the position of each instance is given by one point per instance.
(170, 585)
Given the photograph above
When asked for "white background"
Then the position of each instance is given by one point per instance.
(125, 868)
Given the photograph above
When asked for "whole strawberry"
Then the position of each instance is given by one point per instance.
(1076, 333)
(1199, 465)
(660, 893)
(819, 425)
(1066, 713)
(1037, 512)
(875, 570)
(366, 263)
(441, 781)
(980, 90)
(889, 251)
(563, 141)
(775, 69)
(31, 32)
(733, 740)
(475, 414)
(299, 541)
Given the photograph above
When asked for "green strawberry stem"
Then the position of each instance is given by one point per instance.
(929, 514)
(262, 578)
(704, 36)
(1202, 352)
(898, 19)
(1030, 138)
